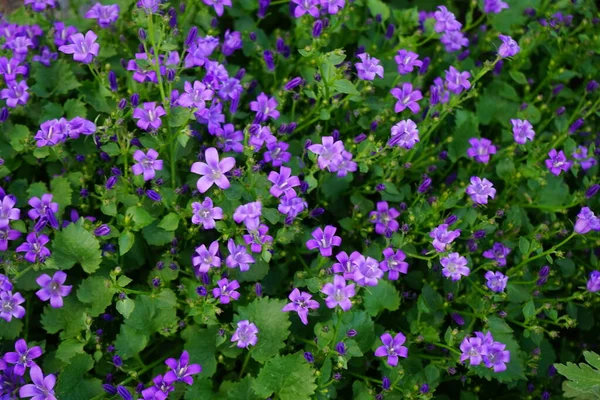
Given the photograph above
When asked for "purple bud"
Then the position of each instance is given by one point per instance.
(135, 99)
(317, 212)
(214, 22)
(351, 333)
(122, 104)
(340, 348)
(360, 138)
(280, 45)
(458, 319)
(293, 83)
(152, 195)
(191, 37)
(258, 289)
(240, 74)
(268, 56)
(451, 219)
(592, 85)
(472, 245)
(117, 361)
(253, 36)
(560, 110)
(318, 77)
(303, 186)
(309, 357)
(308, 143)
(201, 291)
(464, 54)
(551, 371)
(111, 182)
(498, 67)
(112, 81)
(544, 271)
(424, 388)
(480, 234)
(3, 114)
(557, 89)
(425, 184)
(385, 383)
(524, 106)
(530, 12)
(380, 187)
(374, 126)
(576, 125)
(389, 32)
(102, 230)
(317, 28)
(263, 5)
(336, 135)
(592, 190)
(170, 75)
(291, 127)
(124, 393)
(142, 34)
(110, 389)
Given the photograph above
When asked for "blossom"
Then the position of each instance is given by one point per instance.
(51, 133)
(34, 248)
(581, 154)
(407, 98)
(291, 205)
(472, 349)
(498, 253)
(40, 5)
(106, 15)
(181, 370)
(42, 387)
(368, 68)
(332, 6)
(213, 171)
(226, 291)
(212, 116)
(147, 74)
(404, 134)
(200, 50)
(367, 272)
(454, 41)
(445, 21)
(329, 151)
(384, 218)
(15, 94)
(229, 139)
(343, 164)
(301, 302)
(257, 237)
(522, 130)
(496, 281)
(249, 214)
(593, 283)
(586, 221)
(259, 135)
(393, 263)
(324, 240)
(407, 61)
(6, 234)
(265, 107)
(205, 213)
(22, 357)
(480, 190)
(306, 6)
(557, 162)
(148, 116)
(392, 348)
(10, 305)
(509, 46)
(493, 6)
(457, 81)
(8, 211)
(455, 266)
(205, 258)
(481, 149)
(238, 256)
(496, 356)
(346, 265)
(283, 182)
(44, 209)
(218, 5)
(84, 49)
(338, 293)
(62, 33)
(45, 57)
(245, 335)
(231, 42)
(438, 91)
(53, 289)
(277, 153)
(11, 68)
(196, 95)
(147, 164)
(442, 237)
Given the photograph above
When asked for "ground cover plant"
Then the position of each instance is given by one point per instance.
(239, 199)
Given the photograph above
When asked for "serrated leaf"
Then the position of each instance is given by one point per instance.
(289, 377)
(381, 297)
(130, 342)
(18, 135)
(68, 349)
(201, 344)
(71, 383)
(61, 190)
(583, 379)
(95, 292)
(74, 244)
(75, 108)
(69, 319)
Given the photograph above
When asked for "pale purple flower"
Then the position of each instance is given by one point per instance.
(306, 6)
(231, 89)
(586, 221)
(498, 253)
(213, 171)
(472, 349)
(438, 92)
(106, 15)
(493, 6)
(149, 6)
(245, 335)
(249, 214)
(77, 126)
(148, 116)
(259, 135)
(481, 149)
(393, 263)
(8, 211)
(231, 42)
(291, 204)
(147, 164)
(496, 281)
(15, 94)
(346, 265)
(40, 5)
(181, 370)
(343, 164)
(196, 95)
(324, 240)
(454, 41)
(265, 107)
(238, 256)
(44, 208)
(445, 21)
(407, 61)
(338, 293)
(509, 46)
(11, 68)
(42, 387)
(10, 305)
(442, 237)
(205, 213)
(368, 68)
(200, 50)
(53, 288)
(277, 153)
(51, 133)
(329, 151)
(332, 6)
(5, 283)
(457, 81)
(392, 348)
(225, 291)
(23, 356)
(522, 130)
(203, 258)
(147, 74)
(404, 134)
(34, 248)
(212, 116)
(367, 272)
(557, 162)
(6, 234)
(496, 356)
(62, 33)
(407, 98)
(480, 190)
(84, 49)
(283, 181)
(229, 139)
(593, 283)
(257, 238)
(384, 218)
(455, 266)
(218, 5)
(581, 154)
(301, 302)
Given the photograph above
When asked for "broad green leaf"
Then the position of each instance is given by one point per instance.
(140, 216)
(381, 297)
(289, 377)
(10, 330)
(125, 307)
(68, 349)
(583, 379)
(241, 390)
(19, 134)
(345, 86)
(126, 241)
(96, 293)
(74, 244)
(62, 192)
(202, 345)
(170, 222)
(72, 384)
(130, 342)
(69, 319)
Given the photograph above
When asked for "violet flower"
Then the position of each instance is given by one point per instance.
(238, 257)
(509, 47)
(225, 291)
(203, 258)
(231, 42)
(53, 289)
(196, 95)
(480, 190)
(498, 253)
(11, 68)
(367, 272)
(392, 348)
(455, 266)
(249, 214)
(442, 237)
(557, 162)
(282, 181)
(338, 293)
(457, 81)
(84, 49)
(105, 14)
(40, 5)
(301, 302)
(10, 305)
(15, 94)
(329, 151)
(496, 357)
(404, 134)
(8, 211)
(147, 164)
(277, 153)
(407, 61)
(245, 335)
(522, 130)
(265, 107)
(206, 214)
(384, 218)
(586, 221)
(44, 209)
(324, 240)
(230, 139)
(346, 265)
(393, 263)
(218, 5)
(496, 281)
(593, 283)
(34, 248)
(148, 116)
(445, 21)
(332, 6)
(6, 234)
(213, 171)
(306, 7)
(257, 238)
(407, 98)
(368, 68)
(493, 6)
(472, 349)
(181, 370)
(22, 357)
(481, 149)
(42, 387)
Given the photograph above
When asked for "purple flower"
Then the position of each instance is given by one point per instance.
(586, 221)
(205, 213)
(407, 61)
(496, 281)
(34, 248)
(367, 272)
(196, 95)
(42, 386)
(493, 6)
(277, 153)
(332, 6)
(407, 98)
(245, 335)
(84, 49)
(324, 240)
(11, 68)
(343, 165)
(481, 149)
(225, 291)
(106, 15)
(455, 266)
(593, 284)
(213, 171)
(142, 75)
(368, 68)
(212, 116)
(472, 349)
(480, 190)
(22, 357)
(231, 42)
(200, 50)
(45, 57)
(496, 356)
(557, 162)
(181, 370)
(265, 107)
(257, 238)
(147, 164)
(40, 5)
(238, 257)
(291, 205)
(338, 293)
(393, 263)
(404, 134)
(442, 237)
(301, 302)
(229, 139)
(160, 390)
(5, 283)
(346, 265)
(509, 46)
(51, 133)
(283, 182)
(445, 21)
(259, 135)
(10, 305)
(329, 151)
(8, 211)
(148, 116)
(249, 214)
(454, 41)
(522, 130)
(384, 218)
(7, 234)
(306, 6)
(581, 154)
(53, 289)
(457, 81)
(62, 33)
(498, 253)
(218, 5)
(149, 6)
(44, 209)
(205, 258)
(439, 94)
(392, 348)
(15, 94)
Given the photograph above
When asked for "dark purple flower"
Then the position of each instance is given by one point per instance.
(384, 218)
(392, 348)
(302, 303)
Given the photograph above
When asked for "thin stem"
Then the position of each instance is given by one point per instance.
(543, 254)
(246, 359)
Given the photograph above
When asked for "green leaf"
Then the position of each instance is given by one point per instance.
(467, 126)
(583, 380)
(361, 322)
(241, 390)
(130, 342)
(289, 377)
(10, 330)
(51, 111)
(68, 349)
(140, 216)
(70, 319)
(505, 169)
(201, 343)
(157, 236)
(61, 190)
(378, 7)
(518, 77)
(272, 326)
(170, 222)
(71, 383)
(524, 246)
(125, 307)
(381, 297)
(178, 116)
(345, 86)
(96, 293)
(529, 310)
(126, 241)
(74, 244)
(75, 108)
(19, 134)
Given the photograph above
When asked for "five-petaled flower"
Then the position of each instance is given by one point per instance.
(83, 48)
(392, 348)
(213, 170)
(302, 303)
(53, 288)
(324, 240)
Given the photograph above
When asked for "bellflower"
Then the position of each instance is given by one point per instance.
(42, 387)
(106, 15)
(593, 283)
(472, 349)
(62, 33)
(257, 238)
(454, 41)
(283, 182)
(249, 214)
(496, 281)
(496, 356)
(442, 237)
(343, 164)
(346, 265)
(509, 47)
(146, 74)
(392, 348)
(181, 370)
(498, 253)
(206, 214)
(457, 81)
(493, 6)
(229, 139)
(15, 94)
(332, 6)
(438, 92)
(231, 42)
(213, 170)
(277, 153)
(203, 258)
(404, 134)
(557, 162)
(10, 305)
(324, 240)
(480, 190)
(6, 234)
(225, 291)
(368, 68)
(301, 302)
(11, 68)
(329, 151)
(51, 133)
(393, 263)
(445, 21)
(259, 135)
(581, 155)
(291, 205)
(265, 107)
(196, 95)
(23, 356)
(367, 272)
(245, 335)
(84, 49)
(45, 57)
(147, 164)
(407, 98)
(407, 61)
(149, 6)
(200, 50)
(522, 130)
(338, 293)
(212, 116)
(8, 211)
(455, 266)
(586, 221)
(148, 116)
(481, 149)
(384, 218)
(306, 6)
(44, 208)
(238, 257)
(53, 288)
(218, 5)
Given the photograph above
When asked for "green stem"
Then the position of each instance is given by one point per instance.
(246, 359)
(543, 254)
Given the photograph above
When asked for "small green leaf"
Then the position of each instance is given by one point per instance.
(583, 379)
(72, 384)
(140, 216)
(67, 349)
(96, 293)
(345, 86)
(381, 297)
(125, 307)
(170, 222)
(126, 241)
(74, 244)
